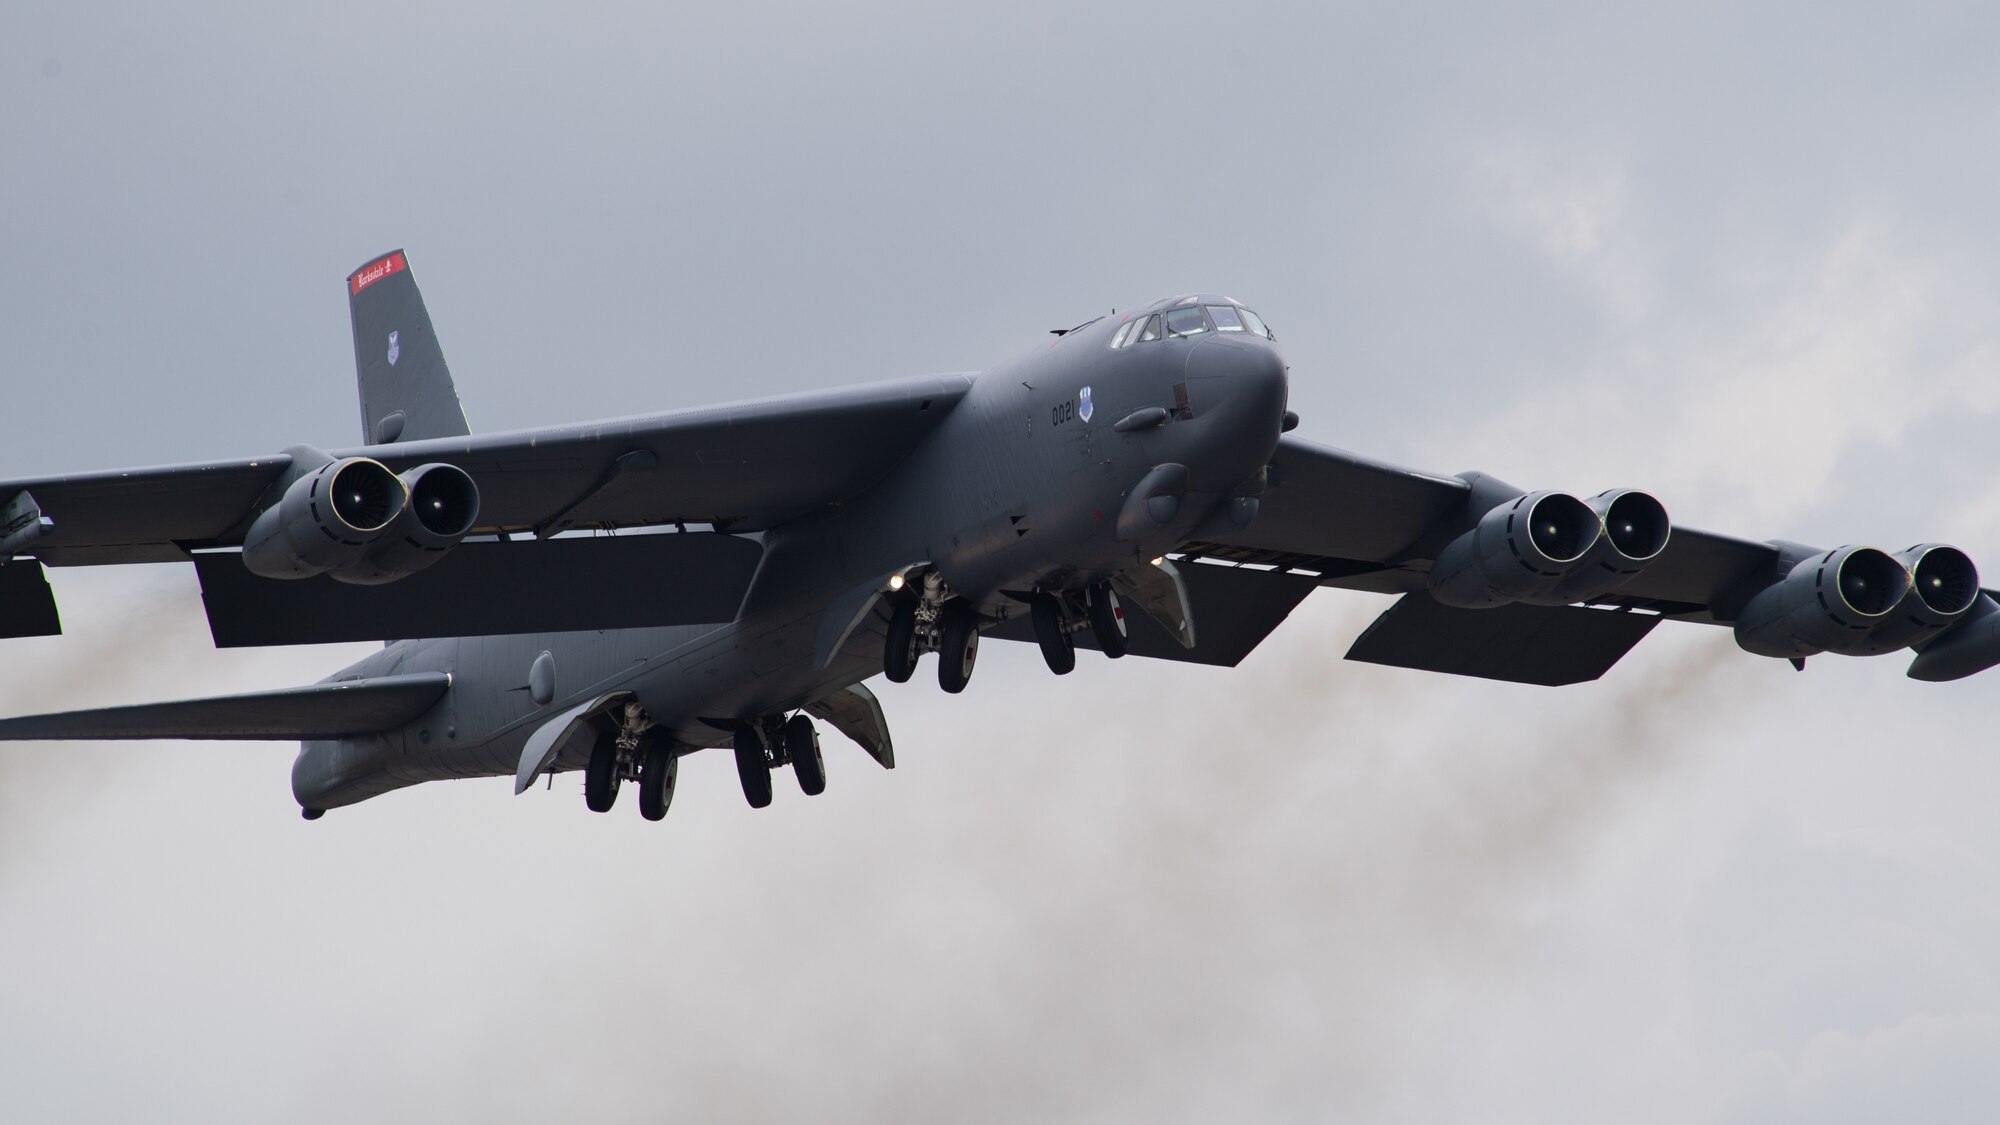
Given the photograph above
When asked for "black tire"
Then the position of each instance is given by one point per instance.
(752, 768)
(1107, 621)
(600, 778)
(1058, 647)
(657, 775)
(958, 649)
(802, 746)
(899, 652)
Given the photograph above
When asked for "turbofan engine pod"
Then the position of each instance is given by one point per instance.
(1520, 550)
(1830, 602)
(1943, 586)
(443, 507)
(1636, 529)
(325, 520)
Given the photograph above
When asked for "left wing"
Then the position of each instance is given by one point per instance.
(1357, 523)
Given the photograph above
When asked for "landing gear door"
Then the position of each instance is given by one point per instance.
(570, 733)
(1159, 590)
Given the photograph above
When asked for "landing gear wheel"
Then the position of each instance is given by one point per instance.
(752, 768)
(1058, 647)
(899, 654)
(657, 774)
(600, 778)
(802, 747)
(958, 649)
(1107, 621)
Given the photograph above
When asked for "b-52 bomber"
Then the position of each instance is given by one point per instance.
(611, 596)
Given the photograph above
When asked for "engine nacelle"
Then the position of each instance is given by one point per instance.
(1520, 550)
(1636, 529)
(444, 505)
(1830, 602)
(1943, 586)
(325, 520)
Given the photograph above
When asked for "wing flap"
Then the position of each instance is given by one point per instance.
(1523, 644)
(490, 588)
(27, 605)
(1235, 608)
(329, 710)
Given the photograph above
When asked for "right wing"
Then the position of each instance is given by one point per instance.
(742, 467)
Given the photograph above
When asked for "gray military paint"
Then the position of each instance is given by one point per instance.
(1065, 469)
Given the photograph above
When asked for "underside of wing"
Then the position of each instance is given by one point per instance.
(329, 710)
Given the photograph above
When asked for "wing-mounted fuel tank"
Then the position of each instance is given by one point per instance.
(356, 521)
(1859, 601)
(1548, 548)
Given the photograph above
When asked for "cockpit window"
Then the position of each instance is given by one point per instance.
(1124, 330)
(1256, 323)
(1152, 329)
(1186, 321)
(1225, 319)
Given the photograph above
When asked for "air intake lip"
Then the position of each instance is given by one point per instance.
(365, 495)
(1870, 582)
(1637, 526)
(444, 499)
(1562, 527)
(1943, 578)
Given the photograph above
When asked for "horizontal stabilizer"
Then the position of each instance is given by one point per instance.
(1235, 608)
(491, 588)
(1523, 644)
(27, 606)
(321, 711)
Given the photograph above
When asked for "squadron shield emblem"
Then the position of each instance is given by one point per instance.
(395, 349)
(1083, 404)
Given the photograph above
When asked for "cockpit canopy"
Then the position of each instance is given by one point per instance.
(1191, 316)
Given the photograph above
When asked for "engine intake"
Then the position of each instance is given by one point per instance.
(1520, 550)
(1636, 529)
(327, 519)
(1943, 586)
(1831, 602)
(443, 507)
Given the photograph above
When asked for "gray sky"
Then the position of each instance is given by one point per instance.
(1746, 259)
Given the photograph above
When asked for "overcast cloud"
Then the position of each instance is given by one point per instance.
(1743, 257)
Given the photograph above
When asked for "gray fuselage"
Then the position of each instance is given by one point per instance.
(1020, 488)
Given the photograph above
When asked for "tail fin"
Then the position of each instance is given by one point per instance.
(406, 389)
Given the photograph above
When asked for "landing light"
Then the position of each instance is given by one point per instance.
(895, 581)
(1159, 559)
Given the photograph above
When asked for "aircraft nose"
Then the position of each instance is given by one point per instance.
(1245, 378)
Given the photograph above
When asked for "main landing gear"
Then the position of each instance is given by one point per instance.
(1057, 621)
(762, 747)
(930, 620)
(635, 750)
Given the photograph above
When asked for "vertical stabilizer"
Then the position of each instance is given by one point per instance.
(406, 389)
